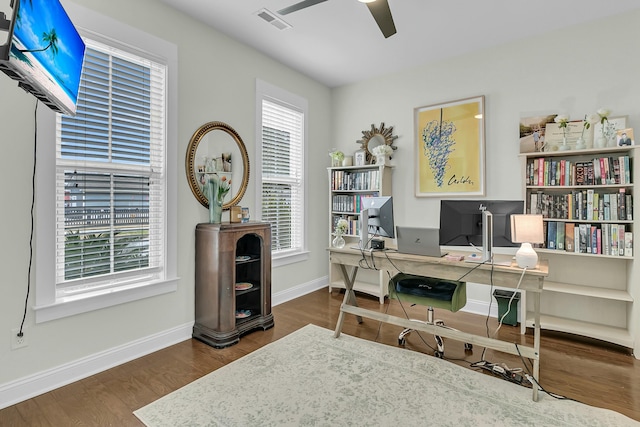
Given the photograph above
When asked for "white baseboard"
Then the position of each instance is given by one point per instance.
(299, 290)
(41, 382)
(33, 385)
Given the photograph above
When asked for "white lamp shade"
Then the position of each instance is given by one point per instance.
(527, 229)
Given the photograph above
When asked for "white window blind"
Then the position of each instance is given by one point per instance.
(110, 175)
(282, 175)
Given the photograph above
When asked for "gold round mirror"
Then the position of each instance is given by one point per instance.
(216, 148)
(374, 137)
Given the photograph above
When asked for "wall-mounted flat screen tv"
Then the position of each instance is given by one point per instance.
(44, 53)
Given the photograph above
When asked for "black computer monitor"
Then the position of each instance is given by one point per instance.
(461, 221)
(376, 218)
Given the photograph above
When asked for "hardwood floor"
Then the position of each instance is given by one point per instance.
(592, 372)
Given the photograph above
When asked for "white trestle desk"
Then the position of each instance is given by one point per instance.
(499, 275)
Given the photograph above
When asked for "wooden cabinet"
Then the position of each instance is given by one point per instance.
(232, 281)
(588, 203)
(348, 185)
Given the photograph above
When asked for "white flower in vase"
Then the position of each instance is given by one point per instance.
(603, 115)
(382, 150)
(383, 153)
(587, 122)
(341, 227)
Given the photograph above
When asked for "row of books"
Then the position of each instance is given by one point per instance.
(349, 202)
(344, 180)
(586, 205)
(352, 221)
(601, 239)
(550, 171)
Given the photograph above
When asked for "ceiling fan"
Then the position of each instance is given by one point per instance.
(378, 8)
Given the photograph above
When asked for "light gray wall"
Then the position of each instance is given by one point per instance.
(216, 82)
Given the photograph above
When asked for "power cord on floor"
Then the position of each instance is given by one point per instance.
(514, 375)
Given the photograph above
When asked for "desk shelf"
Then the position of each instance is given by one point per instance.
(365, 287)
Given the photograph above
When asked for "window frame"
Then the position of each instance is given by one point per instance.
(267, 91)
(47, 305)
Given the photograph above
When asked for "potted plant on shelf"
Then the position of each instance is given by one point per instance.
(336, 157)
(382, 153)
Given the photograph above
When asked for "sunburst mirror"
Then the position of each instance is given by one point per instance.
(374, 137)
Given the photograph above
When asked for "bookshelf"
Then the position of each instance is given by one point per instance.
(590, 213)
(348, 185)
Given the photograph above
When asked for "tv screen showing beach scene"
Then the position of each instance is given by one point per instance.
(47, 53)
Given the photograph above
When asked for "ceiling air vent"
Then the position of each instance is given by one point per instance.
(272, 19)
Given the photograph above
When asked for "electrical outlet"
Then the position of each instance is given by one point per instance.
(18, 341)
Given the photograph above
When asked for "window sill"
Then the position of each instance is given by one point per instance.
(108, 298)
(290, 258)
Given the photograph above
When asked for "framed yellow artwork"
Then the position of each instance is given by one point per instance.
(449, 149)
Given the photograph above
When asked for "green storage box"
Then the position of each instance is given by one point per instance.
(503, 297)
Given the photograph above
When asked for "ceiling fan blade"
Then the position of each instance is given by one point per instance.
(301, 5)
(382, 14)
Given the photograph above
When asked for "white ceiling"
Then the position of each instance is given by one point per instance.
(337, 42)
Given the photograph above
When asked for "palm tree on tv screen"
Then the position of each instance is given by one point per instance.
(51, 38)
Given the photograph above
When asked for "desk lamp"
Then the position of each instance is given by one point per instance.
(527, 229)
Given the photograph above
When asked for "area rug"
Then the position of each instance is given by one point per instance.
(310, 378)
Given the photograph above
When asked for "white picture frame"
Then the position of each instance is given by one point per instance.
(616, 124)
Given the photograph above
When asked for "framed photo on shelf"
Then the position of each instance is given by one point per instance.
(360, 158)
(612, 126)
(449, 148)
(625, 137)
(554, 135)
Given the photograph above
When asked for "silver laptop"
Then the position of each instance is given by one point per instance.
(419, 241)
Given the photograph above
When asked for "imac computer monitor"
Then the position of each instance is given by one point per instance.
(462, 222)
(376, 218)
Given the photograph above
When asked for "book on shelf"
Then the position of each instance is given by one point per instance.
(552, 234)
(560, 236)
(533, 203)
(606, 210)
(580, 173)
(626, 169)
(622, 202)
(614, 240)
(593, 240)
(569, 237)
(600, 207)
(613, 207)
(597, 174)
(628, 243)
(583, 239)
(589, 211)
(616, 171)
(620, 240)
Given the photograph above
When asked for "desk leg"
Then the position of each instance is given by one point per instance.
(536, 343)
(349, 297)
